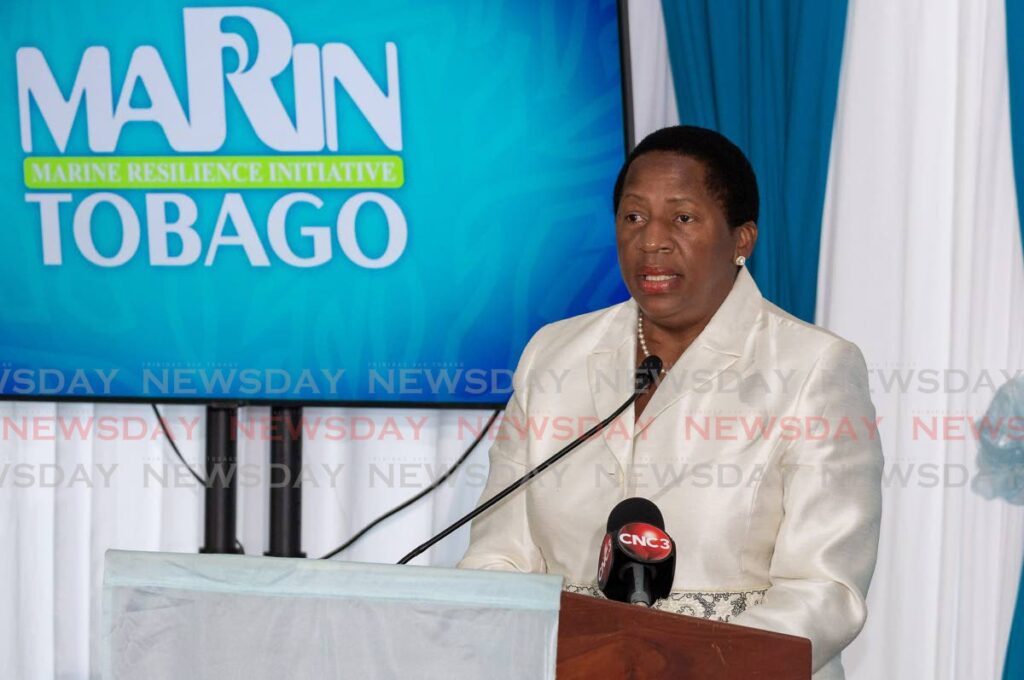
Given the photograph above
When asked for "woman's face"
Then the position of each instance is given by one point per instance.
(676, 249)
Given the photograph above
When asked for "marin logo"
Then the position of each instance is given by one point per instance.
(315, 71)
(244, 51)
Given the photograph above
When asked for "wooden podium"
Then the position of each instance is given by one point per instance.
(600, 639)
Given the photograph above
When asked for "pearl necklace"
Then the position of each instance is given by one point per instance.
(640, 337)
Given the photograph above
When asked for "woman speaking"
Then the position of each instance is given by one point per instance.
(758, 441)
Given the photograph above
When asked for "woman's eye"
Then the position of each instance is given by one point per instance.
(685, 219)
(634, 218)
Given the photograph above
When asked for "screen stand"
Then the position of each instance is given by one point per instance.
(286, 482)
(219, 532)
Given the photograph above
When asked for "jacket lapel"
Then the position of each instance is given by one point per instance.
(610, 371)
(611, 365)
(717, 348)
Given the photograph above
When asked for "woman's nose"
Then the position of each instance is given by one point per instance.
(655, 237)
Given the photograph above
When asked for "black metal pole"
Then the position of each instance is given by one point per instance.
(285, 486)
(221, 478)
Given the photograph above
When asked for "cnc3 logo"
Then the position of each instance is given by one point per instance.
(645, 542)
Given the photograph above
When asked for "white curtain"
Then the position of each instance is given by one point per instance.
(654, 93)
(922, 267)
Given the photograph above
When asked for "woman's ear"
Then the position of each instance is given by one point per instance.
(746, 238)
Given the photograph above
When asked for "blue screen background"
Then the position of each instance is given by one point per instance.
(513, 133)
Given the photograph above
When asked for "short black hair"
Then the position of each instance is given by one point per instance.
(728, 175)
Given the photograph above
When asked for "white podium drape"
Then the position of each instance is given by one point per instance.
(205, 617)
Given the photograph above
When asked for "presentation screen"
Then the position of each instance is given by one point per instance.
(316, 202)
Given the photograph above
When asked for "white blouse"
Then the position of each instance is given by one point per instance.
(760, 447)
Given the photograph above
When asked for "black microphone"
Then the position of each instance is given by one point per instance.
(646, 373)
(638, 559)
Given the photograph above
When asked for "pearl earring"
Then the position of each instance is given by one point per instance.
(740, 260)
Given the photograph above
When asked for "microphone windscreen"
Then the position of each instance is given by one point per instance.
(647, 372)
(635, 510)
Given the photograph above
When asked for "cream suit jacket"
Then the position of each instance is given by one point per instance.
(760, 447)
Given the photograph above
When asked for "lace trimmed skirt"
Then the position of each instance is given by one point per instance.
(717, 606)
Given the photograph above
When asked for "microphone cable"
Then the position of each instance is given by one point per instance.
(646, 374)
(174, 446)
(437, 484)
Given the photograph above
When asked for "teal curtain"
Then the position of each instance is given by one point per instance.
(765, 73)
(1015, 61)
(1014, 666)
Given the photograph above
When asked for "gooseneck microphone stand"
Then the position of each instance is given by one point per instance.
(645, 375)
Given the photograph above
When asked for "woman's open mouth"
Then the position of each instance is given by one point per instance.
(654, 280)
